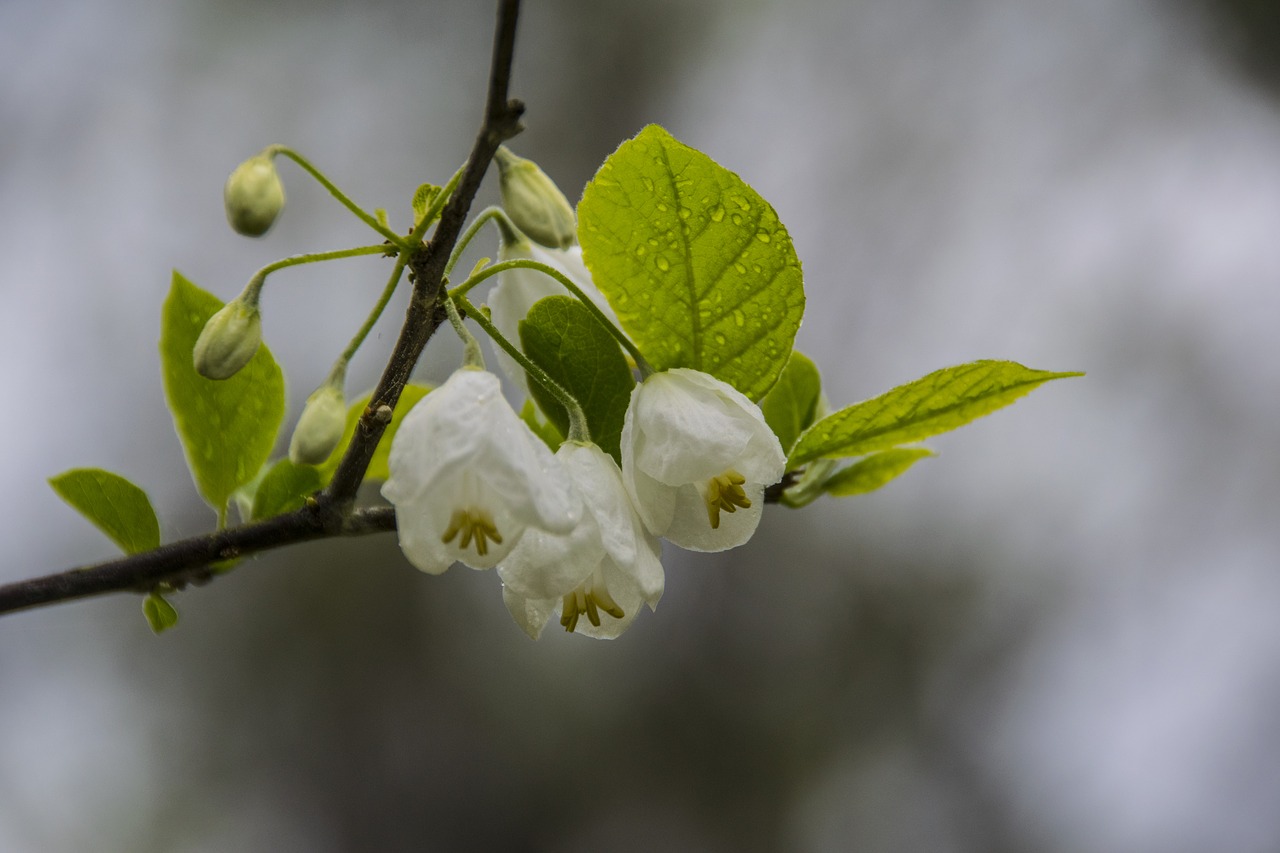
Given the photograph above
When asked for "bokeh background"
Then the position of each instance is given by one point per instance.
(1060, 635)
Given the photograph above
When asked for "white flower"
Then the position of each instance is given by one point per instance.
(602, 573)
(519, 289)
(468, 477)
(696, 457)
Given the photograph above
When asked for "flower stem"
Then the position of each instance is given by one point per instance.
(492, 212)
(260, 277)
(473, 356)
(578, 429)
(342, 197)
(646, 369)
(369, 321)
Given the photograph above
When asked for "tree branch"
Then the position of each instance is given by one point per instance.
(426, 265)
(330, 512)
(188, 560)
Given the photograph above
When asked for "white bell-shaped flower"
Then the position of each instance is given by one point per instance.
(519, 289)
(696, 458)
(600, 575)
(468, 478)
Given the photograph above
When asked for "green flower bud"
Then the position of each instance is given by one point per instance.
(534, 203)
(254, 196)
(228, 340)
(320, 428)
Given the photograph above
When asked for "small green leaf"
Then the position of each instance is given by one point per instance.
(284, 489)
(422, 199)
(227, 426)
(117, 507)
(792, 402)
(563, 338)
(937, 403)
(377, 470)
(694, 262)
(160, 614)
(869, 474)
(543, 429)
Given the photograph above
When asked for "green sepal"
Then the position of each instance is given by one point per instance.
(161, 615)
(933, 404)
(542, 428)
(876, 470)
(227, 426)
(792, 403)
(115, 506)
(378, 466)
(285, 488)
(562, 337)
(693, 261)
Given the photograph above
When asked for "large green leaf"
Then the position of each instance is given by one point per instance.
(563, 338)
(117, 507)
(227, 426)
(694, 262)
(867, 475)
(792, 402)
(377, 470)
(939, 402)
(284, 489)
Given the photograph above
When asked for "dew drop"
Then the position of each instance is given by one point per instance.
(640, 250)
(739, 319)
(717, 213)
(763, 236)
(741, 268)
(662, 263)
(648, 184)
(737, 219)
(720, 339)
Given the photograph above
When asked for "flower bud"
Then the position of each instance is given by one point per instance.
(320, 428)
(254, 196)
(534, 203)
(228, 340)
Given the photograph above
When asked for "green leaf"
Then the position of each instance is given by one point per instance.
(377, 470)
(117, 507)
(562, 337)
(792, 402)
(227, 426)
(160, 614)
(543, 429)
(284, 489)
(694, 262)
(422, 199)
(867, 475)
(939, 402)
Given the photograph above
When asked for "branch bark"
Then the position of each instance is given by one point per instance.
(331, 512)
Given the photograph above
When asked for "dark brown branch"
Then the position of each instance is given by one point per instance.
(188, 561)
(331, 513)
(426, 265)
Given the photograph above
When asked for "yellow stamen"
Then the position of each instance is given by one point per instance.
(472, 523)
(590, 598)
(725, 492)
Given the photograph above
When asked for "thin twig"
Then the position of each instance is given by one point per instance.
(188, 560)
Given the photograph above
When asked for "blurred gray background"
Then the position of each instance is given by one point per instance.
(1058, 636)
